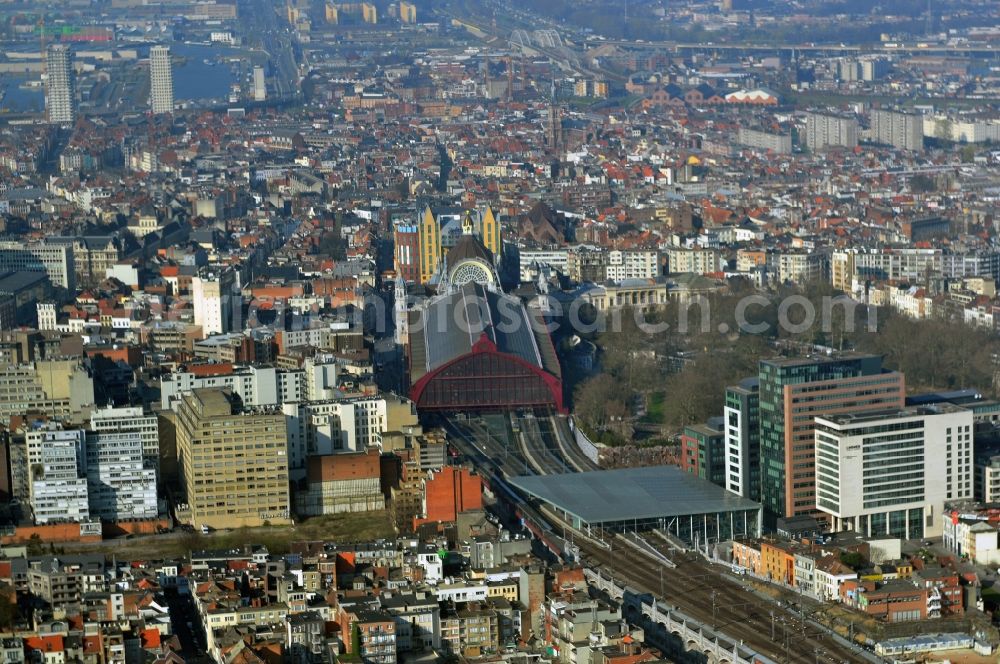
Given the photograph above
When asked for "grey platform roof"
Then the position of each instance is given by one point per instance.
(603, 496)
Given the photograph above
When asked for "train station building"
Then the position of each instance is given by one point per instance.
(474, 348)
(665, 498)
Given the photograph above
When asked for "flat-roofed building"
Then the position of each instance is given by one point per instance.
(793, 391)
(891, 472)
(900, 130)
(638, 499)
(830, 131)
(58, 474)
(233, 462)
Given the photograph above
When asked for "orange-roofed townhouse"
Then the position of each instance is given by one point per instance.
(45, 649)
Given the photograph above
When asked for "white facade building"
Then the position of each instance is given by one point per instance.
(556, 258)
(60, 94)
(214, 302)
(764, 140)
(332, 427)
(161, 80)
(55, 260)
(900, 130)
(119, 486)
(632, 265)
(830, 131)
(259, 84)
(57, 472)
(891, 472)
(697, 260)
(256, 386)
(133, 421)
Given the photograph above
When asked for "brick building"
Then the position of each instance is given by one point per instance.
(448, 492)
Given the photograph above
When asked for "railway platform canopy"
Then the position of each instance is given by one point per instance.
(665, 498)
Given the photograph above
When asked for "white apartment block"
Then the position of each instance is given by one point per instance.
(890, 473)
(319, 378)
(215, 302)
(959, 130)
(161, 80)
(910, 264)
(60, 94)
(332, 427)
(119, 486)
(987, 480)
(57, 475)
(313, 336)
(697, 260)
(132, 421)
(461, 591)
(256, 386)
(830, 131)
(900, 130)
(48, 315)
(797, 267)
(555, 258)
(632, 265)
(763, 140)
(259, 84)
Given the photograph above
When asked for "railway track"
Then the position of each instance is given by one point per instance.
(568, 447)
(716, 600)
(692, 585)
(539, 447)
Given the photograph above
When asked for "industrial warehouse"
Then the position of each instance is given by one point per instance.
(663, 498)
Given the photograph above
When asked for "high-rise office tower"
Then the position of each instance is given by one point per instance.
(57, 465)
(133, 421)
(742, 428)
(792, 393)
(259, 84)
(60, 98)
(161, 80)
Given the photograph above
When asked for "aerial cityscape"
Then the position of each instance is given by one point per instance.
(499, 331)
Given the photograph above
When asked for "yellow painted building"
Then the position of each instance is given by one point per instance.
(430, 245)
(407, 12)
(432, 250)
(332, 14)
(369, 13)
(778, 562)
(490, 232)
(233, 464)
(507, 588)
